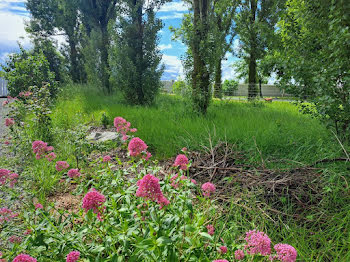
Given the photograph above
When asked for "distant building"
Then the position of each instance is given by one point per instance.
(3, 87)
(167, 85)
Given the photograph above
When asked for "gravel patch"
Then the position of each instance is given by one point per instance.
(3, 128)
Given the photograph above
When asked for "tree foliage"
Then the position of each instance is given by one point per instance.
(26, 69)
(314, 60)
(135, 57)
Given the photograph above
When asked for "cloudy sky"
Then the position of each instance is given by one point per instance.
(13, 15)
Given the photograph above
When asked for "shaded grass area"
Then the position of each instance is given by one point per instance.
(277, 129)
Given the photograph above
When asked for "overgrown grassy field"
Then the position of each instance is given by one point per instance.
(277, 129)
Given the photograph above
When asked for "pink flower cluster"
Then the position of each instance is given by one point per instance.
(73, 256)
(106, 159)
(6, 176)
(6, 215)
(181, 161)
(211, 230)
(5, 102)
(73, 173)
(15, 239)
(25, 94)
(9, 122)
(239, 254)
(208, 189)
(41, 149)
(149, 189)
(137, 147)
(24, 258)
(257, 243)
(38, 206)
(285, 253)
(61, 165)
(123, 127)
(223, 250)
(93, 200)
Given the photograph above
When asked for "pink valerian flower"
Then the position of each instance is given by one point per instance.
(136, 147)
(184, 149)
(173, 181)
(7, 177)
(123, 127)
(38, 206)
(181, 161)
(6, 215)
(73, 256)
(73, 173)
(208, 188)
(149, 189)
(147, 156)
(15, 239)
(106, 159)
(41, 148)
(7, 142)
(94, 200)
(285, 252)
(211, 230)
(5, 103)
(257, 243)
(24, 258)
(9, 122)
(239, 254)
(61, 165)
(223, 250)
(51, 157)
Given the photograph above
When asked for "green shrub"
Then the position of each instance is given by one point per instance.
(181, 88)
(27, 69)
(229, 87)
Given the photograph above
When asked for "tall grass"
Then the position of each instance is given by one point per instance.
(278, 130)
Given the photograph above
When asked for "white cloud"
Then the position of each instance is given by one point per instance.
(173, 64)
(175, 15)
(12, 28)
(164, 47)
(174, 6)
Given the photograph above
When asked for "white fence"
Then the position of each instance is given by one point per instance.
(3, 87)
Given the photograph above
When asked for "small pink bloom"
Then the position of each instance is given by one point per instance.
(184, 149)
(149, 189)
(15, 239)
(38, 206)
(133, 130)
(7, 142)
(210, 229)
(286, 253)
(239, 254)
(73, 256)
(51, 157)
(208, 188)
(61, 165)
(194, 181)
(257, 243)
(5, 103)
(136, 147)
(49, 149)
(9, 122)
(106, 159)
(24, 258)
(73, 173)
(94, 200)
(223, 250)
(181, 161)
(148, 156)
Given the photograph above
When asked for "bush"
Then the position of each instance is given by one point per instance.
(229, 87)
(181, 88)
(27, 69)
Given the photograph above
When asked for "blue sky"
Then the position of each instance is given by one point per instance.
(13, 16)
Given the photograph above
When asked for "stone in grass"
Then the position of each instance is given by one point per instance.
(102, 136)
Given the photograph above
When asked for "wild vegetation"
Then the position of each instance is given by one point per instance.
(183, 176)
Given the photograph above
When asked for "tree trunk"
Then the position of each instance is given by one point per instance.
(74, 65)
(252, 89)
(200, 75)
(218, 85)
(260, 88)
(104, 58)
(139, 53)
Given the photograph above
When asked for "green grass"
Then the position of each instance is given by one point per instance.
(280, 131)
